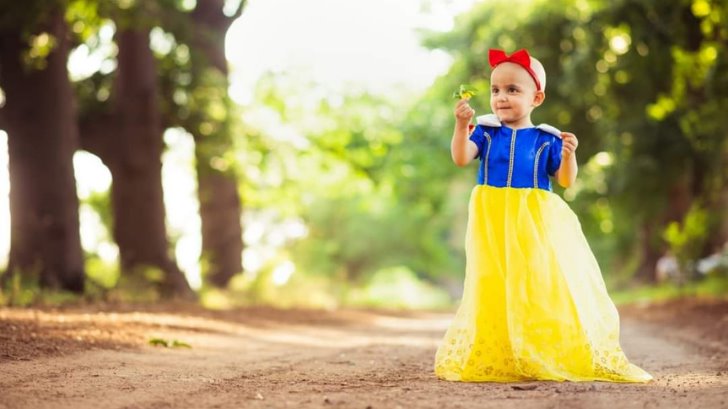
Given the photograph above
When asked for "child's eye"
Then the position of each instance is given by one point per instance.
(494, 90)
(512, 90)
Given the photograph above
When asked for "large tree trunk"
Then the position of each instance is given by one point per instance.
(649, 252)
(129, 139)
(42, 137)
(718, 240)
(220, 207)
(137, 198)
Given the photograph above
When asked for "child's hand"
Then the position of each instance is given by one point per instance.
(570, 144)
(463, 112)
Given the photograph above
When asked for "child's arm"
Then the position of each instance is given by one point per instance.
(462, 149)
(566, 175)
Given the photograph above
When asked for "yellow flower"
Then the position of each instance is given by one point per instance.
(465, 92)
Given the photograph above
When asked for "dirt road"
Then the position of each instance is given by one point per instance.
(263, 358)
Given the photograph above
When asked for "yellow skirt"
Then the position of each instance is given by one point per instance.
(534, 306)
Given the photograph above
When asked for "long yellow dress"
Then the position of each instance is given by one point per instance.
(535, 306)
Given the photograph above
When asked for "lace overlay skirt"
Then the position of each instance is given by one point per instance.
(535, 306)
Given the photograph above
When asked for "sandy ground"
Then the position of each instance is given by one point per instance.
(100, 357)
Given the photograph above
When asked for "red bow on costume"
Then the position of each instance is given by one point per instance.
(520, 57)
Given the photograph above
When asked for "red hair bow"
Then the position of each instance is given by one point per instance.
(520, 57)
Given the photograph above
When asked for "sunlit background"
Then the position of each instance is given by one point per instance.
(339, 142)
(369, 46)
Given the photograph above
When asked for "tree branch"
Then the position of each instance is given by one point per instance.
(239, 11)
(210, 13)
(3, 124)
(96, 134)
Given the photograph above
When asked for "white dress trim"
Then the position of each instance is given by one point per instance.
(493, 121)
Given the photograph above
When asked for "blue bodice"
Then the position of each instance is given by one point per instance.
(522, 158)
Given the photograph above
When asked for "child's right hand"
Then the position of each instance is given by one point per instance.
(463, 112)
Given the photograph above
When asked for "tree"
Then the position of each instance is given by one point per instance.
(42, 137)
(127, 135)
(662, 65)
(210, 123)
(637, 81)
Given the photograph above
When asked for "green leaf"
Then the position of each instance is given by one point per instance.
(174, 343)
(158, 342)
(179, 344)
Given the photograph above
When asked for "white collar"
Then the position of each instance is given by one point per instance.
(493, 121)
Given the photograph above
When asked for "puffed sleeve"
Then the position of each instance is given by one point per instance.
(478, 136)
(554, 161)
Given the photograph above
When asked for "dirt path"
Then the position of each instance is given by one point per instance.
(304, 359)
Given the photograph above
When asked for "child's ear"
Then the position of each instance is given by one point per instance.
(538, 98)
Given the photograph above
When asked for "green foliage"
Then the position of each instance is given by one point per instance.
(377, 191)
(102, 273)
(20, 289)
(637, 82)
(140, 285)
(641, 83)
(398, 287)
(687, 239)
(23, 290)
(300, 290)
(393, 287)
(84, 18)
(711, 286)
(354, 184)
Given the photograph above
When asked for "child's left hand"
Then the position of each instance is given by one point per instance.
(570, 144)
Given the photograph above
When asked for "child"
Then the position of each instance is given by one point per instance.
(534, 306)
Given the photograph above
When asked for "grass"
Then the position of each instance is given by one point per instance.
(27, 295)
(713, 286)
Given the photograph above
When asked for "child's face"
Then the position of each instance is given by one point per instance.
(513, 94)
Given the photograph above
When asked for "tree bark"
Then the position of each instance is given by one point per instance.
(40, 121)
(220, 204)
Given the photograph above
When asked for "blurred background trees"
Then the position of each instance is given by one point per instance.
(350, 198)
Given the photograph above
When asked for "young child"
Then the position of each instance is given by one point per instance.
(534, 306)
